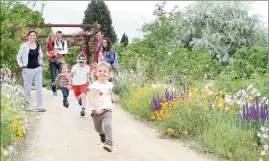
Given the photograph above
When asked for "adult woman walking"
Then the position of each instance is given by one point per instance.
(109, 54)
(30, 61)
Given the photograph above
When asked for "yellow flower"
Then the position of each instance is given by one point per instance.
(152, 117)
(6, 108)
(170, 131)
(206, 109)
(232, 111)
(185, 132)
(189, 110)
(164, 105)
(15, 123)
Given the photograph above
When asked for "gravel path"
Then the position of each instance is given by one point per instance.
(63, 135)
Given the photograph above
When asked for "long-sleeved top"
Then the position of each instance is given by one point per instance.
(64, 79)
(109, 56)
(23, 55)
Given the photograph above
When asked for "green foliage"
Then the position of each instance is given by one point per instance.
(124, 40)
(214, 130)
(97, 11)
(14, 15)
(251, 60)
(220, 28)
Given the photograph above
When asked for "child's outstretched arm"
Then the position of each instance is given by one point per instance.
(56, 80)
(114, 98)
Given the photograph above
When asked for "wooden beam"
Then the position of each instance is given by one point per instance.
(62, 25)
(70, 35)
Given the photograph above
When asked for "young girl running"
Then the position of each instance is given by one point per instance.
(100, 99)
(65, 84)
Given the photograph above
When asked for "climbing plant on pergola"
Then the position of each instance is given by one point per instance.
(84, 39)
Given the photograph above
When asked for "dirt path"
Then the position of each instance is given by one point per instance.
(63, 135)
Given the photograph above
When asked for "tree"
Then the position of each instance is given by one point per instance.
(220, 28)
(124, 40)
(97, 11)
(14, 15)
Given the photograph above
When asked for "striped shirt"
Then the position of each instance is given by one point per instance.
(64, 79)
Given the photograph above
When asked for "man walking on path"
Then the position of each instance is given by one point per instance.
(98, 47)
(60, 49)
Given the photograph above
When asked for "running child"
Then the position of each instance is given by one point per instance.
(100, 99)
(79, 76)
(65, 84)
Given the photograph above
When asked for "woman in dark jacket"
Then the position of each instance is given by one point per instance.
(108, 52)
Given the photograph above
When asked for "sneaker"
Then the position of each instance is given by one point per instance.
(82, 112)
(29, 109)
(103, 138)
(40, 109)
(66, 104)
(55, 94)
(108, 147)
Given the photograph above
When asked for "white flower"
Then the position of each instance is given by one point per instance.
(264, 98)
(265, 136)
(265, 147)
(11, 149)
(259, 134)
(169, 53)
(260, 159)
(205, 76)
(210, 92)
(262, 129)
(244, 93)
(5, 153)
(258, 94)
(263, 152)
(250, 86)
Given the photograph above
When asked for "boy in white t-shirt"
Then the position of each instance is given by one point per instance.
(100, 99)
(80, 75)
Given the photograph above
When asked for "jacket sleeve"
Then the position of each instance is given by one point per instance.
(19, 56)
(110, 58)
(40, 56)
(65, 51)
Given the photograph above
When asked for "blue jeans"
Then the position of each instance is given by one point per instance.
(54, 66)
(65, 92)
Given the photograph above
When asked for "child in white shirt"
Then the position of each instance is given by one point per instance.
(100, 99)
(80, 76)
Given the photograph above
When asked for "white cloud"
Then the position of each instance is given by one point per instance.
(127, 16)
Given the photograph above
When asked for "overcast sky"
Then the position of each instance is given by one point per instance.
(127, 16)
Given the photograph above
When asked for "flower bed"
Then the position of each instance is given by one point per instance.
(13, 118)
(229, 125)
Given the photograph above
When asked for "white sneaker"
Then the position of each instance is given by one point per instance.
(40, 109)
(108, 147)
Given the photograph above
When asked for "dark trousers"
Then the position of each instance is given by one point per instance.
(65, 92)
(54, 66)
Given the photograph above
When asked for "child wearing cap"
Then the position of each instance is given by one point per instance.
(79, 75)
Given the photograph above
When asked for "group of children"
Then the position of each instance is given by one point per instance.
(100, 94)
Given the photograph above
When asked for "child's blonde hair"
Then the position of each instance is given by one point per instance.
(101, 64)
(64, 65)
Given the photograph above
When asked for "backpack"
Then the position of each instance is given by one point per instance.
(115, 64)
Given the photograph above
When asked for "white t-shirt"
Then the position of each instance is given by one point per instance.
(80, 74)
(103, 98)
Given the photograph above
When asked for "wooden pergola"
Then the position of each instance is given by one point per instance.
(89, 34)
